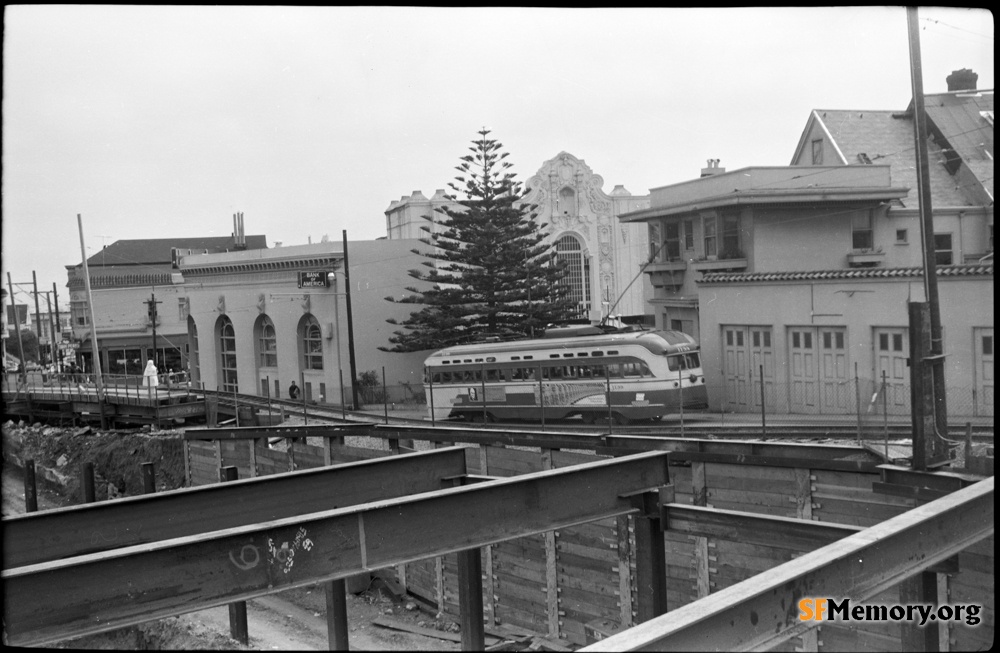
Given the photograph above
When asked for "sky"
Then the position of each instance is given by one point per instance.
(157, 122)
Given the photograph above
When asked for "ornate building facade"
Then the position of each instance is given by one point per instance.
(603, 254)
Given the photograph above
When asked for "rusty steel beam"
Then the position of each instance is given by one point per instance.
(253, 432)
(93, 593)
(77, 530)
(761, 612)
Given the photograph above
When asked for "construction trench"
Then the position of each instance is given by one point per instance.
(617, 542)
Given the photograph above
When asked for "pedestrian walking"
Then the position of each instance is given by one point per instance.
(293, 391)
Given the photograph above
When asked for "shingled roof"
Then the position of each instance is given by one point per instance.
(147, 251)
(887, 137)
(983, 270)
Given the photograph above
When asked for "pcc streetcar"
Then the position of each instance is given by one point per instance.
(619, 376)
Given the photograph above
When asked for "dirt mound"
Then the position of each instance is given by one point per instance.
(117, 456)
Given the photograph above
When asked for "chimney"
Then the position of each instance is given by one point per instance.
(962, 80)
(712, 169)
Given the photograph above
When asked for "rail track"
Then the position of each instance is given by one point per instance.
(695, 426)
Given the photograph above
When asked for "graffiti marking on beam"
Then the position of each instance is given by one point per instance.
(245, 562)
(283, 557)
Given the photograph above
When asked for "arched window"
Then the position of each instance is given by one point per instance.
(228, 380)
(194, 363)
(267, 343)
(570, 251)
(312, 344)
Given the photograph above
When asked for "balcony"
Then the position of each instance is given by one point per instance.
(865, 258)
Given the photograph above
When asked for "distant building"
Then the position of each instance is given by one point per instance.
(259, 320)
(603, 254)
(798, 278)
(124, 276)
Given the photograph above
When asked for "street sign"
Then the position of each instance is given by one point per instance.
(313, 279)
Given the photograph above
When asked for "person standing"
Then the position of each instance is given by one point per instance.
(150, 377)
(293, 391)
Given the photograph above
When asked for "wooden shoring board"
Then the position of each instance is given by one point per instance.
(761, 612)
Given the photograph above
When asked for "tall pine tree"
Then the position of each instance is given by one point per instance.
(492, 274)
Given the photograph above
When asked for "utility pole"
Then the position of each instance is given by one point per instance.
(53, 358)
(96, 357)
(935, 447)
(151, 311)
(17, 322)
(350, 329)
(38, 313)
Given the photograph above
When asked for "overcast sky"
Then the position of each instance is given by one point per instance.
(157, 122)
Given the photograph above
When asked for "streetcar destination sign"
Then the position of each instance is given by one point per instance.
(313, 280)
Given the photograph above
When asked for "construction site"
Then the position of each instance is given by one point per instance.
(614, 539)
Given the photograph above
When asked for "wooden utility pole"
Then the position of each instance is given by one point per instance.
(350, 328)
(935, 355)
(96, 357)
(17, 322)
(151, 311)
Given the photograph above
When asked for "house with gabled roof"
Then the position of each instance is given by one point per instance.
(796, 279)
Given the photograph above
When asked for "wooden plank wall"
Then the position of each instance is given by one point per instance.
(556, 582)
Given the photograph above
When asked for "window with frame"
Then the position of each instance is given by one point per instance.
(655, 247)
(817, 152)
(731, 237)
(267, 346)
(570, 252)
(312, 345)
(689, 235)
(861, 230)
(943, 253)
(711, 243)
(227, 354)
(672, 240)
(902, 237)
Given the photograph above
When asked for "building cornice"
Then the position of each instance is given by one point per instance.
(303, 263)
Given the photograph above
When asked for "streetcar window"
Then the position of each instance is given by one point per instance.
(598, 371)
(612, 352)
(557, 372)
(515, 374)
(492, 375)
(437, 377)
(529, 374)
(553, 355)
(528, 358)
(580, 354)
(584, 372)
(567, 355)
(515, 358)
(597, 353)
